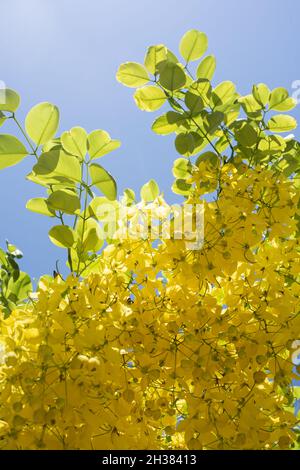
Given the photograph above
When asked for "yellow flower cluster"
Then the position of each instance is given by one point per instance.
(162, 346)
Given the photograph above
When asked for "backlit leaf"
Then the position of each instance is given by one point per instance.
(250, 105)
(167, 123)
(132, 74)
(207, 67)
(65, 201)
(223, 92)
(40, 206)
(150, 191)
(149, 98)
(180, 186)
(57, 163)
(62, 236)
(9, 100)
(100, 143)
(41, 122)
(172, 76)
(261, 93)
(103, 181)
(181, 168)
(74, 141)
(282, 123)
(19, 289)
(193, 45)
(278, 96)
(12, 151)
(155, 55)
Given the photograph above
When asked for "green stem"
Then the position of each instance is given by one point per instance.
(84, 218)
(70, 260)
(211, 109)
(203, 134)
(60, 216)
(81, 188)
(25, 136)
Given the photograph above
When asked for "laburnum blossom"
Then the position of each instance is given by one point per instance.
(163, 347)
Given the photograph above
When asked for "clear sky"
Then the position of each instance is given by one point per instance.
(68, 51)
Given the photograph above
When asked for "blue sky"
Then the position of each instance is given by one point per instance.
(68, 51)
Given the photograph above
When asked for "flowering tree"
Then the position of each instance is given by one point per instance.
(167, 344)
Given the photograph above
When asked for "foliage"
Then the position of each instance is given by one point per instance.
(15, 285)
(158, 345)
(65, 168)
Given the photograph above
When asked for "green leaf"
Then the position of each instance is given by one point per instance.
(100, 143)
(246, 135)
(261, 93)
(40, 206)
(13, 250)
(103, 181)
(155, 55)
(41, 122)
(149, 98)
(250, 105)
(202, 88)
(53, 144)
(132, 74)
(287, 105)
(182, 168)
(231, 114)
(2, 258)
(12, 151)
(187, 143)
(282, 123)
(128, 197)
(278, 97)
(271, 145)
(288, 165)
(223, 92)
(10, 100)
(91, 241)
(92, 236)
(57, 163)
(193, 102)
(101, 207)
(65, 201)
(2, 118)
(221, 144)
(193, 45)
(168, 123)
(74, 141)
(62, 236)
(207, 67)
(214, 120)
(171, 57)
(53, 181)
(210, 157)
(19, 289)
(172, 76)
(174, 104)
(149, 191)
(180, 186)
